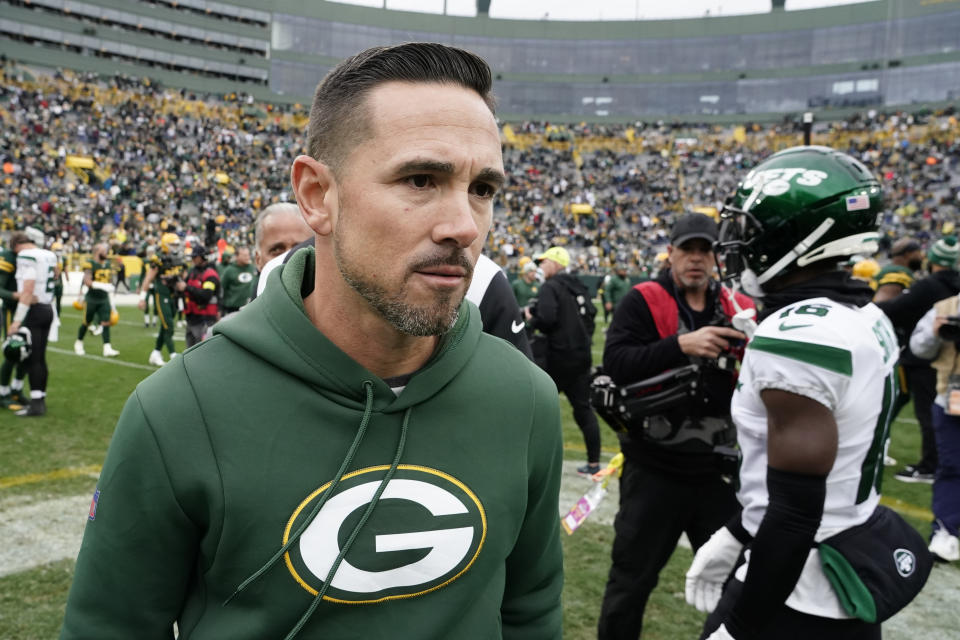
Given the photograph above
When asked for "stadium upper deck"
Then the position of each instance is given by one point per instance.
(873, 54)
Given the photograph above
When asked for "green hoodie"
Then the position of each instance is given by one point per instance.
(224, 454)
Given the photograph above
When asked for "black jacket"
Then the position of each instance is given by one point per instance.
(557, 316)
(635, 351)
(906, 310)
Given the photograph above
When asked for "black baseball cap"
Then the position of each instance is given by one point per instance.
(691, 226)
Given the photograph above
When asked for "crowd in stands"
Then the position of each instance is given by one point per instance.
(86, 157)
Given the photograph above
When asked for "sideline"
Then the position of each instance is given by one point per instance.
(56, 474)
(898, 505)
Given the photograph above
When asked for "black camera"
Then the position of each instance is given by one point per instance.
(950, 329)
(625, 407)
(638, 409)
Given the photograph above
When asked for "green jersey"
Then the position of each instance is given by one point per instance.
(58, 283)
(8, 286)
(525, 291)
(614, 288)
(441, 499)
(8, 281)
(237, 282)
(101, 273)
(169, 271)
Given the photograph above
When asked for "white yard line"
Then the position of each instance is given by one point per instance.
(122, 363)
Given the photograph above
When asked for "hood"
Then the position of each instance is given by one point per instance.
(949, 277)
(275, 327)
(572, 283)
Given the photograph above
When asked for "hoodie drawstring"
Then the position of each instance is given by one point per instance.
(356, 530)
(367, 412)
(347, 461)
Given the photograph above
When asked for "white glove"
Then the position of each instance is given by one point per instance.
(102, 286)
(721, 634)
(710, 568)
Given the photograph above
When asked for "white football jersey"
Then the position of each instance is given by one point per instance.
(40, 266)
(843, 357)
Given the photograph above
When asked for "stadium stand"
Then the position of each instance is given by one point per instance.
(85, 156)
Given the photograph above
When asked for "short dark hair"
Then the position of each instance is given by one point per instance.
(904, 246)
(338, 119)
(18, 238)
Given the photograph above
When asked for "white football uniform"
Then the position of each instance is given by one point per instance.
(40, 266)
(843, 357)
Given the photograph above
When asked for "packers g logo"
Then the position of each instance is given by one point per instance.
(426, 531)
(245, 277)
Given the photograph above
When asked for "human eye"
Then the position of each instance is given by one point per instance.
(483, 190)
(419, 180)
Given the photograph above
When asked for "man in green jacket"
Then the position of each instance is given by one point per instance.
(378, 466)
(237, 281)
(615, 286)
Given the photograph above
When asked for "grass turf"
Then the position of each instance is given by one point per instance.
(58, 456)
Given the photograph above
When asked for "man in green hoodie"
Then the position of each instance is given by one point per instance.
(381, 467)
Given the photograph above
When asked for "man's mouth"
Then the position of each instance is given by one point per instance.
(445, 270)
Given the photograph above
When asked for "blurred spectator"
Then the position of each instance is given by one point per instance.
(278, 229)
(931, 340)
(237, 280)
(564, 314)
(904, 312)
(526, 286)
(906, 258)
(615, 286)
(123, 158)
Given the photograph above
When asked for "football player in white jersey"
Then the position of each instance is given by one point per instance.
(812, 406)
(37, 271)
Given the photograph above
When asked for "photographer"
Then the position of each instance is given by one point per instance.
(672, 480)
(905, 311)
(937, 336)
(202, 292)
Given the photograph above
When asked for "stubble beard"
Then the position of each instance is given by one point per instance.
(434, 319)
(696, 283)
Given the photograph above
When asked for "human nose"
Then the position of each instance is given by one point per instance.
(459, 222)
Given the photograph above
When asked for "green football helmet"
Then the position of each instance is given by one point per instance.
(799, 206)
(17, 346)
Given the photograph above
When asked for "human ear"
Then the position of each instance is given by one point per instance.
(315, 188)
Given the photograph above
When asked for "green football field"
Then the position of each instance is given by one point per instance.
(49, 466)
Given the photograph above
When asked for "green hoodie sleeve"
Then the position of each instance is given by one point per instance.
(139, 547)
(531, 608)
